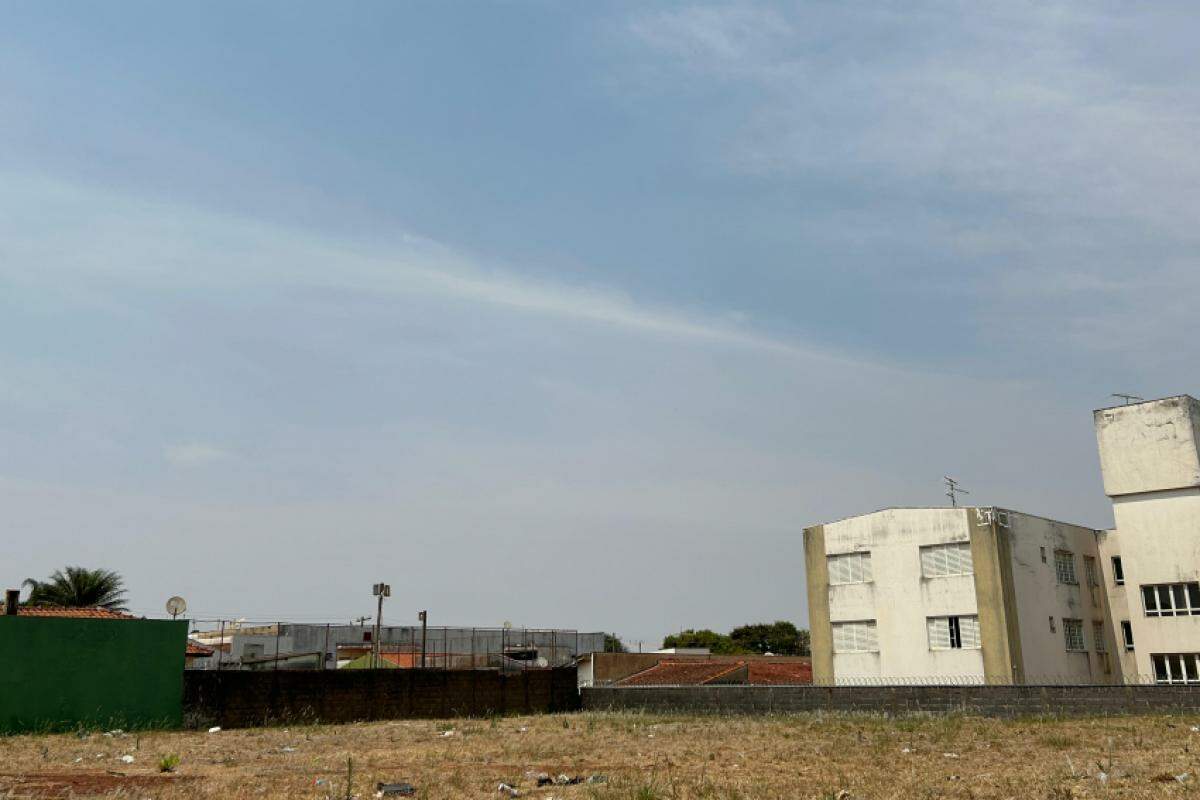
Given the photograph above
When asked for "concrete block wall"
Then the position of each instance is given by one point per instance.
(245, 699)
(995, 701)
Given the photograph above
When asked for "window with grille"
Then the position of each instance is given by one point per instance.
(1127, 634)
(943, 560)
(1073, 634)
(1098, 637)
(850, 568)
(1118, 571)
(1064, 566)
(1176, 667)
(953, 632)
(1171, 599)
(855, 637)
(1089, 571)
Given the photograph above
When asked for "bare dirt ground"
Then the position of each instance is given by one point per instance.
(642, 757)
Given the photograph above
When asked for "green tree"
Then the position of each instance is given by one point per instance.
(78, 587)
(717, 643)
(780, 637)
(613, 644)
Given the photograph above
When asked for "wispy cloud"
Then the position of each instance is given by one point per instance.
(191, 454)
(133, 242)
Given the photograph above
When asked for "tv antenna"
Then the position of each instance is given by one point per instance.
(176, 606)
(953, 491)
(1129, 398)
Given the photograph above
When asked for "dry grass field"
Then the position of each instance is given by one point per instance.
(642, 757)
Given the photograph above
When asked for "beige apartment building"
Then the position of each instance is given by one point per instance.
(980, 594)
(962, 595)
(1150, 460)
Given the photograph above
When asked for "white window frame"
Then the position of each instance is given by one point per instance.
(1118, 568)
(954, 557)
(865, 638)
(1073, 635)
(1127, 634)
(857, 568)
(953, 632)
(1064, 567)
(1172, 668)
(1171, 599)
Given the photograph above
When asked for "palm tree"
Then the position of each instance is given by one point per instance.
(79, 587)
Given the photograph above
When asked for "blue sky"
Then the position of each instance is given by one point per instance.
(570, 314)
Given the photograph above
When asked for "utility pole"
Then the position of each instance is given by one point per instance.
(424, 617)
(952, 491)
(380, 590)
(359, 621)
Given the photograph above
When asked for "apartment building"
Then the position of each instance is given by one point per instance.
(967, 595)
(1150, 461)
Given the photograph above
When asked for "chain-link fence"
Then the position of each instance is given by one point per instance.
(274, 645)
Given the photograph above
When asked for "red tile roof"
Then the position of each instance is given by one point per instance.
(681, 673)
(62, 611)
(194, 648)
(780, 673)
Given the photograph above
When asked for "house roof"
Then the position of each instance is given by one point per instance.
(669, 672)
(779, 673)
(77, 613)
(194, 648)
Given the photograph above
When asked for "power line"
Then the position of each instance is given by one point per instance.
(953, 490)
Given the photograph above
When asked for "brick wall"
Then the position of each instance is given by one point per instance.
(999, 701)
(243, 699)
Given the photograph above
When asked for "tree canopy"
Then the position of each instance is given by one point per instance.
(79, 587)
(781, 638)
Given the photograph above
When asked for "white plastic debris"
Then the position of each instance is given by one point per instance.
(287, 749)
(127, 759)
(905, 750)
(215, 729)
(522, 729)
(448, 733)
(1196, 729)
(949, 755)
(511, 791)
(1183, 777)
(1102, 777)
(78, 760)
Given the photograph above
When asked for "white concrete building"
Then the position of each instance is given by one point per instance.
(958, 595)
(1150, 460)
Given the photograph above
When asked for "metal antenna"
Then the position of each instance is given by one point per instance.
(1129, 398)
(952, 491)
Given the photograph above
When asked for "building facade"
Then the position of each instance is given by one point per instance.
(968, 595)
(1150, 461)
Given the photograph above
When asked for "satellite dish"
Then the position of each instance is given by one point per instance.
(176, 606)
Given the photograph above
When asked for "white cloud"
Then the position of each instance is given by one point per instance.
(191, 454)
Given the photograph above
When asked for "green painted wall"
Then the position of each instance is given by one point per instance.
(63, 673)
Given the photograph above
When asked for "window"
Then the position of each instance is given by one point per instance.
(1052, 628)
(1171, 599)
(953, 633)
(1064, 566)
(850, 568)
(1098, 637)
(855, 637)
(1073, 634)
(1176, 667)
(942, 560)
(1089, 571)
(1118, 571)
(1127, 634)
(1043, 554)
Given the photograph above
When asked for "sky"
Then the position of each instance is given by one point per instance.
(570, 314)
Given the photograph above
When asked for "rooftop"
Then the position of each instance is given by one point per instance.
(76, 613)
